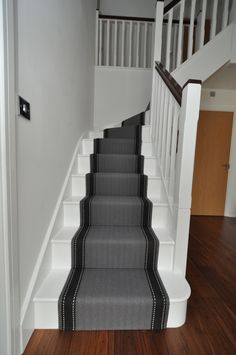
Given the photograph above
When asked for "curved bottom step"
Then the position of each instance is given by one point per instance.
(46, 299)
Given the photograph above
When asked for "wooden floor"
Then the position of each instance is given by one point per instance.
(211, 320)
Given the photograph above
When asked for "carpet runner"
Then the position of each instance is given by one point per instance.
(113, 282)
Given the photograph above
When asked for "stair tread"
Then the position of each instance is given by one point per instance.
(153, 177)
(65, 234)
(176, 285)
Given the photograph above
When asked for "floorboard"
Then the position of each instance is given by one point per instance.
(210, 328)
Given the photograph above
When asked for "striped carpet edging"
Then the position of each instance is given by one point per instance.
(75, 301)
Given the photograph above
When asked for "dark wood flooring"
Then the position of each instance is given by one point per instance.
(211, 321)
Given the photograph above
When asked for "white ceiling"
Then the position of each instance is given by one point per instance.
(224, 78)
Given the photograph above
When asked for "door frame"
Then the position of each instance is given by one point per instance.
(9, 271)
(216, 105)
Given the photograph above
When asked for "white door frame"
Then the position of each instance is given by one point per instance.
(9, 266)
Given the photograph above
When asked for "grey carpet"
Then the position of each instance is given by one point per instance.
(113, 282)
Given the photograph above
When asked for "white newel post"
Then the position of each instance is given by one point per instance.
(188, 122)
(157, 52)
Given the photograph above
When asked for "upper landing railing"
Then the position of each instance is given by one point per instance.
(124, 41)
(188, 25)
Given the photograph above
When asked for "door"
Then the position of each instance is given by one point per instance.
(211, 163)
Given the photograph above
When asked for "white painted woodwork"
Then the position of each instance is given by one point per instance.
(180, 33)
(191, 28)
(225, 17)
(112, 36)
(214, 19)
(168, 42)
(202, 23)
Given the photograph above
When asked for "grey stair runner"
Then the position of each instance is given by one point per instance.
(113, 282)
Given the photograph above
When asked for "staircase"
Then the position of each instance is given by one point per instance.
(115, 246)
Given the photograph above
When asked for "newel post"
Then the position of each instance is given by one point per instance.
(157, 51)
(188, 121)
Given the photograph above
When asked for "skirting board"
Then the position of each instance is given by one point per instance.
(27, 316)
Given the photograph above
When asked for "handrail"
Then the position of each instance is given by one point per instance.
(127, 18)
(170, 82)
(170, 6)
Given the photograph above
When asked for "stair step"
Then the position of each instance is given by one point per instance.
(146, 135)
(79, 186)
(88, 147)
(61, 248)
(150, 165)
(46, 298)
(71, 207)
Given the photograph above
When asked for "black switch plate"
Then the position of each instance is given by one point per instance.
(24, 108)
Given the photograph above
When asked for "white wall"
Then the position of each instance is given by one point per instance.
(225, 100)
(56, 75)
(120, 93)
(133, 8)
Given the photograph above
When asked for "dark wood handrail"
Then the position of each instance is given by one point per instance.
(170, 82)
(172, 4)
(127, 18)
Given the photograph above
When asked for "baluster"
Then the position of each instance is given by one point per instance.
(164, 134)
(214, 19)
(152, 43)
(163, 98)
(100, 42)
(115, 44)
(180, 34)
(108, 42)
(202, 26)
(145, 46)
(137, 48)
(123, 44)
(191, 29)
(168, 42)
(168, 139)
(96, 38)
(173, 148)
(130, 42)
(225, 14)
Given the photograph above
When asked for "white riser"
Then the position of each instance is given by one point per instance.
(160, 215)
(46, 299)
(154, 186)
(87, 147)
(150, 165)
(146, 136)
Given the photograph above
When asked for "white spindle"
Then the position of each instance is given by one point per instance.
(137, 45)
(123, 44)
(168, 42)
(225, 14)
(164, 132)
(108, 43)
(202, 25)
(214, 19)
(180, 33)
(145, 46)
(96, 38)
(130, 42)
(173, 148)
(191, 28)
(100, 42)
(115, 44)
(168, 139)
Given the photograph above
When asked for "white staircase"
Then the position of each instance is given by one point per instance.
(46, 296)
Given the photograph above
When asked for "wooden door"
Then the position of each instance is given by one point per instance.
(211, 163)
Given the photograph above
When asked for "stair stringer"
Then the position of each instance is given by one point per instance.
(211, 57)
(43, 264)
